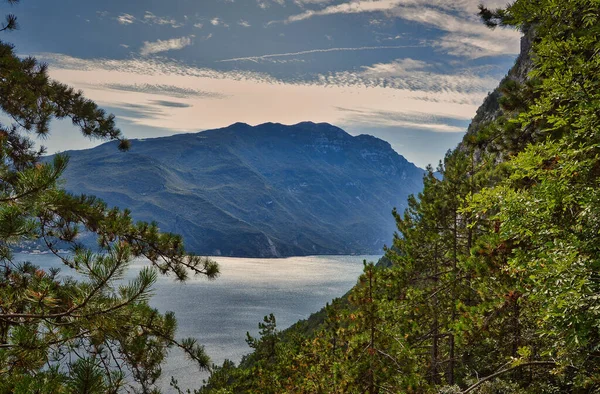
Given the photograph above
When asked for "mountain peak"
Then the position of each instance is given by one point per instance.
(264, 190)
(238, 125)
(306, 130)
(304, 124)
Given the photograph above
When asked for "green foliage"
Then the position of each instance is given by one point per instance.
(265, 346)
(492, 284)
(58, 334)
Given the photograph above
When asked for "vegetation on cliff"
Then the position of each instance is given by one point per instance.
(493, 284)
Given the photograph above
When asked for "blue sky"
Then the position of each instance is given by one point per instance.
(412, 72)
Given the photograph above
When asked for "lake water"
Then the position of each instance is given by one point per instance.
(218, 313)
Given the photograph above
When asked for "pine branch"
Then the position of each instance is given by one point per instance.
(10, 24)
(69, 312)
(46, 344)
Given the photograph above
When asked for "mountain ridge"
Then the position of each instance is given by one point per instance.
(269, 190)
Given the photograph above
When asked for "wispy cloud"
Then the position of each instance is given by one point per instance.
(264, 4)
(154, 96)
(218, 22)
(311, 51)
(150, 48)
(126, 19)
(465, 35)
(366, 6)
(397, 89)
(165, 90)
(171, 104)
(412, 120)
(303, 2)
(466, 85)
(147, 18)
(354, 7)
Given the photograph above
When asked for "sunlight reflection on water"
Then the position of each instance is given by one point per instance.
(218, 313)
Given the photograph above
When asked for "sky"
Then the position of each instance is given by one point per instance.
(412, 72)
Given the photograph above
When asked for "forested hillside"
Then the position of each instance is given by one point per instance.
(493, 284)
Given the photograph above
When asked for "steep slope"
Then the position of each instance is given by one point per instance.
(269, 190)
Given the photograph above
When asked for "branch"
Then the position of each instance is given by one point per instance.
(47, 344)
(31, 191)
(69, 312)
(188, 351)
(503, 371)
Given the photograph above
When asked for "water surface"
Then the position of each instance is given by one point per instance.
(218, 313)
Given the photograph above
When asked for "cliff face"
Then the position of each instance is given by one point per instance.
(490, 109)
(265, 191)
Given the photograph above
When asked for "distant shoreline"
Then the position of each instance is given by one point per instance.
(64, 251)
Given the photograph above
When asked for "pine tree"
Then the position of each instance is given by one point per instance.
(494, 283)
(57, 334)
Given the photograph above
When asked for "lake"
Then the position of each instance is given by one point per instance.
(219, 313)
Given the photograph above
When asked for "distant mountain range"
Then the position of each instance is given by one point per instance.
(263, 191)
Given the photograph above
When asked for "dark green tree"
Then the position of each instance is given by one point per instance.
(57, 334)
(493, 283)
(265, 345)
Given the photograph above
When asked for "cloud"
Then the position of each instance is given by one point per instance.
(406, 94)
(413, 120)
(419, 76)
(354, 7)
(218, 22)
(149, 17)
(131, 111)
(367, 6)
(303, 2)
(311, 51)
(171, 104)
(264, 4)
(150, 48)
(166, 90)
(126, 19)
(464, 35)
(244, 23)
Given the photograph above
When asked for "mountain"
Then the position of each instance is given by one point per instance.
(265, 191)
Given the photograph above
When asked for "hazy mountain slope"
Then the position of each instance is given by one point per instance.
(269, 190)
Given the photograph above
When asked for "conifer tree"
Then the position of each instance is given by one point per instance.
(57, 334)
(494, 285)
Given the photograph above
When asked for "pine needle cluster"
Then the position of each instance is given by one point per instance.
(96, 333)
